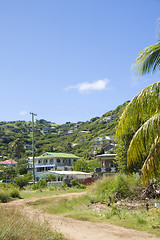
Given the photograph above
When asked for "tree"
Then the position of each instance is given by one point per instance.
(138, 133)
(50, 177)
(8, 172)
(81, 165)
(21, 181)
(148, 60)
(17, 146)
(22, 169)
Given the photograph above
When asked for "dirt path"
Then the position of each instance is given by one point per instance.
(79, 230)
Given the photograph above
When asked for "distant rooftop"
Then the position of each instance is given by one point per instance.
(9, 161)
(58, 155)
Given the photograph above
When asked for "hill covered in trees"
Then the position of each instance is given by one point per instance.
(16, 136)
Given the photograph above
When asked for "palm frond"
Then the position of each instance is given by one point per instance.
(148, 59)
(142, 107)
(142, 141)
(151, 166)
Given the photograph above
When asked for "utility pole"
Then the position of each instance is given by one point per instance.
(33, 145)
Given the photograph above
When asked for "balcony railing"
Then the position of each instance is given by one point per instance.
(106, 170)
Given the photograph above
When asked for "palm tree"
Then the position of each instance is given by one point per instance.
(17, 146)
(148, 60)
(139, 126)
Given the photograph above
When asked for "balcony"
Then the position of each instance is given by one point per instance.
(106, 170)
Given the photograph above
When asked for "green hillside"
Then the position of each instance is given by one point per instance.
(16, 136)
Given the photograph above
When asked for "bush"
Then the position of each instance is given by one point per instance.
(75, 183)
(14, 193)
(114, 187)
(39, 185)
(4, 196)
(21, 181)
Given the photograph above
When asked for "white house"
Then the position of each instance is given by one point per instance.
(52, 161)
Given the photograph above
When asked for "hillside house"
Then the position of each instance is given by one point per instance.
(82, 132)
(9, 163)
(52, 161)
(46, 130)
(108, 119)
(106, 142)
(108, 166)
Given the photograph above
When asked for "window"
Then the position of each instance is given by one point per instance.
(51, 161)
(58, 160)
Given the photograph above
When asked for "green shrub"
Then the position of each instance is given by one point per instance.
(114, 187)
(21, 181)
(75, 183)
(4, 196)
(14, 193)
(39, 185)
(121, 188)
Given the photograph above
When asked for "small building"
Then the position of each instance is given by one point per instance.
(102, 142)
(46, 130)
(108, 166)
(52, 161)
(82, 132)
(9, 162)
(65, 176)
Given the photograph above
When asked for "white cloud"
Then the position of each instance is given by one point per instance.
(23, 113)
(88, 87)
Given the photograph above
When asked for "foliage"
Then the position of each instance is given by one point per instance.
(81, 165)
(20, 227)
(138, 128)
(92, 164)
(21, 181)
(16, 141)
(75, 183)
(50, 177)
(22, 169)
(8, 172)
(148, 60)
(17, 146)
(39, 185)
(7, 193)
(4, 196)
(14, 193)
(113, 187)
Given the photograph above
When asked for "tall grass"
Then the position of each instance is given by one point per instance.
(15, 226)
(8, 192)
(115, 187)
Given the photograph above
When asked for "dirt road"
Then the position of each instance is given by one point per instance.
(79, 230)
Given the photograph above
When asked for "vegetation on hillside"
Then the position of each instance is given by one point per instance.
(16, 136)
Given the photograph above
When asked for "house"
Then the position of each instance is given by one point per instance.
(53, 130)
(28, 147)
(108, 166)
(9, 162)
(108, 119)
(82, 132)
(46, 130)
(103, 142)
(71, 131)
(65, 176)
(52, 161)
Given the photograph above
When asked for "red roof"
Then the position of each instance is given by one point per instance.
(9, 161)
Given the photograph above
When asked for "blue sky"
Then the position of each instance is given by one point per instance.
(70, 60)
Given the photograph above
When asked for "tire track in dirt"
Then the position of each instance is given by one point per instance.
(78, 230)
